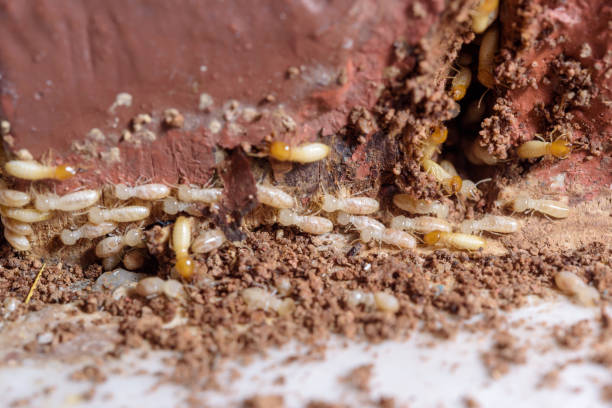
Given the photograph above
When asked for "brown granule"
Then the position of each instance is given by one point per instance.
(505, 351)
(470, 402)
(264, 401)
(606, 393)
(88, 373)
(321, 404)
(574, 336)
(359, 377)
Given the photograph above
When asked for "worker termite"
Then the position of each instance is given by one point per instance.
(533, 149)
(523, 203)
(454, 240)
(26, 215)
(416, 206)
(19, 242)
(191, 194)
(570, 284)
(69, 202)
(360, 222)
(31, 170)
(432, 143)
(307, 223)
(484, 14)
(389, 236)
(306, 153)
(258, 298)
(134, 259)
(181, 241)
(121, 214)
(147, 192)
(17, 227)
(422, 224)
(452, 184)
(460, 83)
(113, 245)
(172, 206)
(208, 241)
(383, 301)
(490, 223)
(13, 198)
(486, 57)
(349, 205)
(274, 197)
(469, 189)
(87, 231)
(154, 286)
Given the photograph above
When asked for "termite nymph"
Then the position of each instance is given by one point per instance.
(19, 242)
(486, 57)
(570, 284)
(556, 209)
(490, 223)
(87, 231)
(305, 153)
(147, 192)
(181, 241)
(31, 170)
(460, 83)
(350, 205)
(25, 215)
(360, 222)
(533, 149)
(17, 227)
(469, 189)
(13, 198)
(114, 244)
(485, 13)
(415, 206)
(432, 143)
(191, 194)
(121, 214)
(454, 240)
(258, 298)
(423, 224)
(274, 197)
(307, 223)
(389, 236)
(172, 206)
(476, 154)
(208, 241)
(69, 202)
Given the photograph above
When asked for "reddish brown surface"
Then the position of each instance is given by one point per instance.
(63, 64)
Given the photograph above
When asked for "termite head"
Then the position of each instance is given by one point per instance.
(185, 267)
(439, 135)
(432, 238)
(329, 203)
(454, 184)
(521, 203)
(458, 92)
(64, 172)
(280, 151)
(560, 148)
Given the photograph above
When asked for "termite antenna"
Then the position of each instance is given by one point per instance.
(482, 97)
(483, 181)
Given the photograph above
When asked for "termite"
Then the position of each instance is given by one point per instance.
(19, 228)
(307, 223)
(432, 143)
(19, 242)
(415, 206)
(460, 83)
(469, 189)
(486, 57)
(452, 184)
(121, 214)
(454, 240)
(360, 222)
(31, 170)
(258, 298)
(570, 284)
(423, 224)
(533, 149)
(556, 209)
(110, 262)
(389, 236)
(383, 301)
(490, 223)
(349, 205)
(191, 194)
(26, 215)
(485, 13)
(208, 241)
(274, 197)
(305, 153)
(13, 198)
(87, 231)
(113, 245)
(476, 154)
(69, 202)
(181, 241)
(154, 286)
(134, 259)
(172, 206)
(147, 192)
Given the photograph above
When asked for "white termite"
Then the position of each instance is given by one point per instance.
(389, 236)
(570, 284)
(307, 223)
(258, 298)
(556, 209)
(13, 198)
(191, 194)
(360, 222)
(87, 231)
(423, 224)
(149, 192)
(208, 241)
(490, 223)
(26, 215)
(172, 206)
(19, 242)
(120, 214)
(114, 244)
(32, 170)
(416, 206)
(69, 202)
(274, 197)
(349, 205)
(17, 227)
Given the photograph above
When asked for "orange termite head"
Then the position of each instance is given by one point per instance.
(432, 238)
(560, 148)
(439, 135)
(458, 92)
(184, 267)
(280, 151)
(454, 184)
(64, 172)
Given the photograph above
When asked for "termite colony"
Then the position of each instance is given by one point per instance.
(120, 236)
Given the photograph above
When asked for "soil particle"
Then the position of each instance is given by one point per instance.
(505, 351)
(264, 401)
(359, 377)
